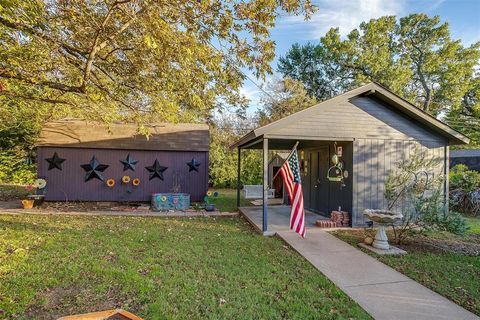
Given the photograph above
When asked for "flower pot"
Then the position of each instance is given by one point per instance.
(27, 203)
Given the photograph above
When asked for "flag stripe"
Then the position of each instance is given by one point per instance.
(290, 172)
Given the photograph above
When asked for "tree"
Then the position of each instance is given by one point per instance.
(414, 56)
(281, 99)
(310, 65)
(442, 68)
(223, 161)
(466, 117)
(138, 60)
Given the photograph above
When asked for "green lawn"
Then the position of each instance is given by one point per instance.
(474, 225)
(227, 200)
(453, 275)
(160, 268)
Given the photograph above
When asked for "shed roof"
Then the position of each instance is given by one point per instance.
(163, 136)
(373, 89)
(465, 153)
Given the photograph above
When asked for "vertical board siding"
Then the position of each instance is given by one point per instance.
(69, 183)
(374, 160)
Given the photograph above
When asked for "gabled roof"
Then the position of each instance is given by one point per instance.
(373, 89)
(163, 136)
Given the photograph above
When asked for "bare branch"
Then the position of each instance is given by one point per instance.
(50, 84)
(33, 98)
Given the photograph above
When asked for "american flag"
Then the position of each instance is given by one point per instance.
(290, 172)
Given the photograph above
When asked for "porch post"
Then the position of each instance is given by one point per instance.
(265, 185)
(239, 153)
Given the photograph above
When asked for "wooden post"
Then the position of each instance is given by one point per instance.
(239, 153)
(265, 186)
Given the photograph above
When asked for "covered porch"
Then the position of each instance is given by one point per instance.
(321, 196)
(278, 218)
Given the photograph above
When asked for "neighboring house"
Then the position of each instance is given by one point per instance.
(372, 128)
(77, 159)
(470, 158)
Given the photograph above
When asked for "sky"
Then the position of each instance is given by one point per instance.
(463, 17)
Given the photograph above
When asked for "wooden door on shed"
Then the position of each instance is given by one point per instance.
(317, 186)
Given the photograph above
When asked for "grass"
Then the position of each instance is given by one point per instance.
(227, 200)
(159, 268)
(474, 225)
(453, 275)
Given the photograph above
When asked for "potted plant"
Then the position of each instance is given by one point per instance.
(28, 203)
(210, 200)
(34, 197)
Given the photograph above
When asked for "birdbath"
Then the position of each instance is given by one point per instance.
(383, 218)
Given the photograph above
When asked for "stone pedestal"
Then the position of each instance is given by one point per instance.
(381, 239)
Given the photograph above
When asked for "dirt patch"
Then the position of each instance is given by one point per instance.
(78, 206)
(57, 302)
(468, 245)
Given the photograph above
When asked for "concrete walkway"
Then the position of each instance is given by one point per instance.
(383, 292)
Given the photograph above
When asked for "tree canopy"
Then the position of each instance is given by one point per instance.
(138, 60)
(282, 98)
(414, 56)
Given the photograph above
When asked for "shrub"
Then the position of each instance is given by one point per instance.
(414, 185)
(463, 179)
(451, 221)
(465, 190)
(14, 168)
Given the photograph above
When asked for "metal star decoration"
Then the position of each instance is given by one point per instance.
(129, 163)
(94, 169)
(55, 162)
(193, 165)
(156, 170)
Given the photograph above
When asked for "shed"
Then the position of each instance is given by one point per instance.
(79, 159)
(371, 129)
(468, 157)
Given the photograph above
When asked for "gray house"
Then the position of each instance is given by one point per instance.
(370, 129)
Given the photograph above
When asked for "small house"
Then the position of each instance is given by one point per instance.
(348, 145)
(82, 161)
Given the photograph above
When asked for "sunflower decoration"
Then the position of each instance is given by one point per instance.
(110, 183)
(40, 183)
(136, 182)
(209, 193)
(126, 179)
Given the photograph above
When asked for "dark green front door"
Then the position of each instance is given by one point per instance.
(317, 185)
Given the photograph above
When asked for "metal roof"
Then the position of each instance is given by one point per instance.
(465, 153)
(400, 104)
(163, 136)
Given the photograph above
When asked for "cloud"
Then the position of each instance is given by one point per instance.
(344, 14)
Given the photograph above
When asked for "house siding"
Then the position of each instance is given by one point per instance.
(69, 184)
(375, 159)
(359, 117)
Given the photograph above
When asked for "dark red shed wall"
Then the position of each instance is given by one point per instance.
(69, 184)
